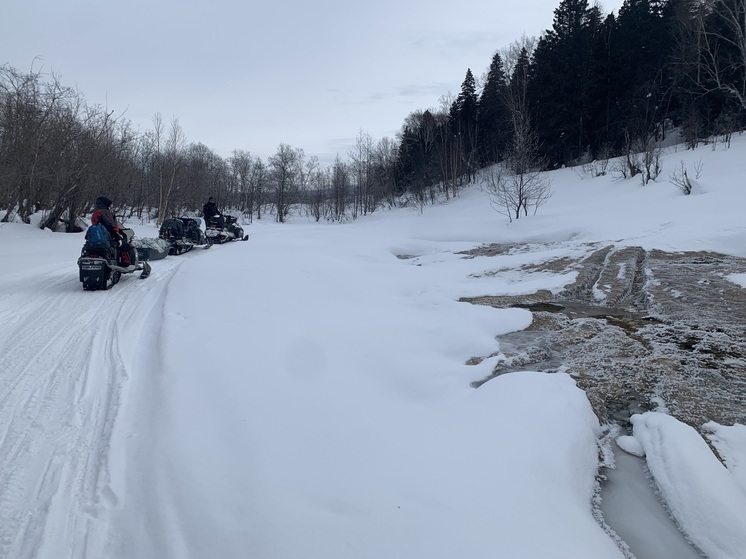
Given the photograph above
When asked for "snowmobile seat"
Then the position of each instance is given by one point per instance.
(217, 221)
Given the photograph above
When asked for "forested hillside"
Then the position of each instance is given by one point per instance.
(594, 86)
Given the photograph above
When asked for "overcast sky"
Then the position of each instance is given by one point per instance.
(246, 75)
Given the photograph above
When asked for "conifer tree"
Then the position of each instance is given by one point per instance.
(560, 84)
(603, 135)
(642, 47)
(464, 112)
(493, 120)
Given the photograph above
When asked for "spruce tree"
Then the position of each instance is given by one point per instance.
(560, 83)
(603, 134)
(642, 48)
(493, 120)
(464, 114)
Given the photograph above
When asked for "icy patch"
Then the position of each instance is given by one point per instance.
(739, 279)
(631, 508)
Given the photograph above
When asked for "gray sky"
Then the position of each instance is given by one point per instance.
(245, 75)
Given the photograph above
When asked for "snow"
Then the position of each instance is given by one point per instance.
(739, 279)
(307, 393)
(628, 502)
(730, 442)
(702, 494)
(630, 445)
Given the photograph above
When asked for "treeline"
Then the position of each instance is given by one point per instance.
(57, 153)
(592, 87)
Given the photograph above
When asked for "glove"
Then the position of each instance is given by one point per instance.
(120, 239)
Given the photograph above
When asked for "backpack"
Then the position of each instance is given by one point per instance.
(172, 229)
(97, 237)
(190, 223)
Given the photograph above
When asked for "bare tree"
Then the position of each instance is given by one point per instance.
(340, 187)
(512, 53)
(521, 186)
(524, 186)
(651, 160)
(241, 164)
(259, 180)
(448, 149)
(284, 172)
(385, 156)
(307, 171)
(201, 173)
(318, 186)
(680, 179)
(361, 164)
(724, 52)
(28, 111)
(89, 156)
(170, 161)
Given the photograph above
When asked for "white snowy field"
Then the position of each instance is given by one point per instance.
(306, 394)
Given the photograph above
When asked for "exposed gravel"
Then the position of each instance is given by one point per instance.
(636, 329)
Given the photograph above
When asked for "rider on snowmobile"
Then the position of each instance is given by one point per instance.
(104, 216)
(210, 209)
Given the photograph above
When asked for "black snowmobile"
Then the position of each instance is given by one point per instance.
(224, 228)
(183, 234)
(101, 263)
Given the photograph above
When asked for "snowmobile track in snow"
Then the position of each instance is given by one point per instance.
(61, 379)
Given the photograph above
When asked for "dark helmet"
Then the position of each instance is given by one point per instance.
(104, 202)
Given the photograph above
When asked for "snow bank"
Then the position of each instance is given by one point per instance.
(730, 442)
(702, 495)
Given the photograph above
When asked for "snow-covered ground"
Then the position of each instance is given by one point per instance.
(306, 394)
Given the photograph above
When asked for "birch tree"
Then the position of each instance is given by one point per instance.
(169, 161)
(724, 53)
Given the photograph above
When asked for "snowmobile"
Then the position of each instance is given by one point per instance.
(101, 263)
(183, 234)
(224, 228)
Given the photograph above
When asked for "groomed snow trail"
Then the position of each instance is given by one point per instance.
(62, 373)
